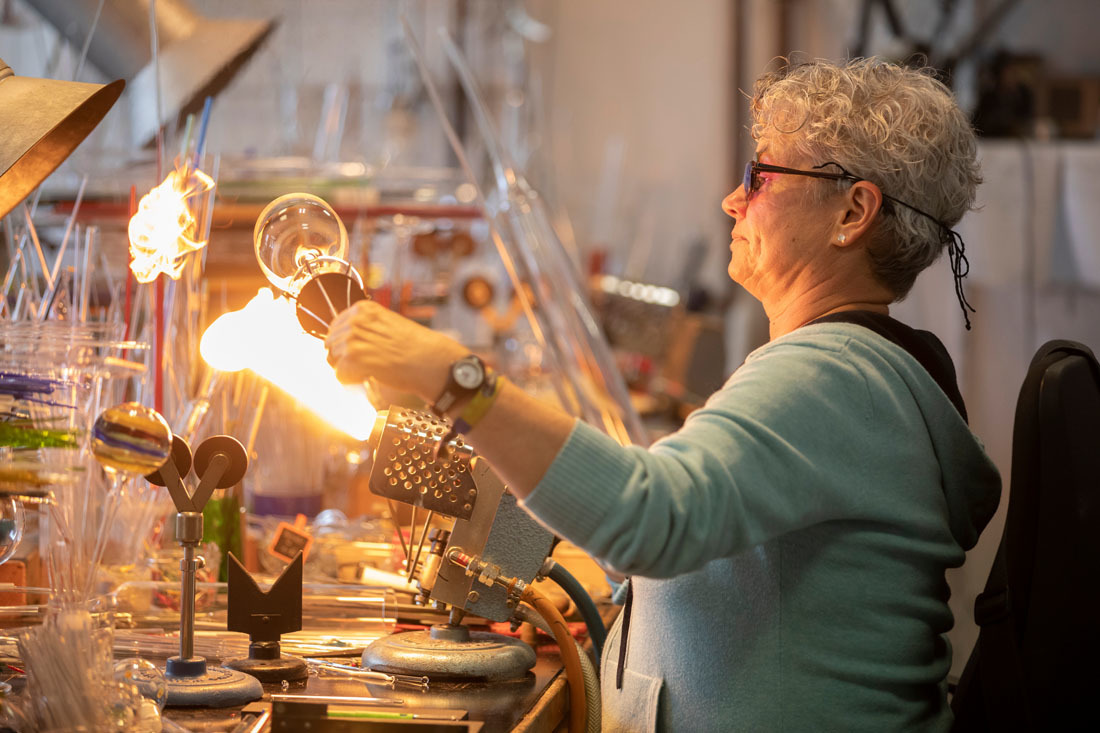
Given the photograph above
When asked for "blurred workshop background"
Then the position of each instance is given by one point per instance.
(627, 118)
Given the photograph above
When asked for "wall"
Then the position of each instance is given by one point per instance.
(639, 105)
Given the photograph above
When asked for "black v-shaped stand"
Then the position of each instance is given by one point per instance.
(265, 616)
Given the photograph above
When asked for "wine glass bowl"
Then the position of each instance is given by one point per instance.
(294, 235)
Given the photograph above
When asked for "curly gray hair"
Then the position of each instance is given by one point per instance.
(895, 126)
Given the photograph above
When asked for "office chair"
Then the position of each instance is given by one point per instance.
(1037, 661)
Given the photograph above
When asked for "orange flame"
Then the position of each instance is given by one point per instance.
(165, 227)
(265, 336)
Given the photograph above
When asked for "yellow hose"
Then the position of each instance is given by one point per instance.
(578, 712)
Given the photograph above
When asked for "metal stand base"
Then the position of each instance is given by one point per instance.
(271, 670)
(450, 652)
(215, 687)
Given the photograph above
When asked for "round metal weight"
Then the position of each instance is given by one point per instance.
(451, 654)
(271, 670)
(232, 449)
(217, 688)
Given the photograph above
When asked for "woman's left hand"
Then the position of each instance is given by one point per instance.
(370, 340)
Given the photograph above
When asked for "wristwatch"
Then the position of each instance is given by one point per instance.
(466, 377)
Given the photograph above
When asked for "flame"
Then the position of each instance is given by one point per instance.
(265, 336)
(164, 229)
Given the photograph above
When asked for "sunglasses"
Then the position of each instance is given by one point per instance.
(753, 169)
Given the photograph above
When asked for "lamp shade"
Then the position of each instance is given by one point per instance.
(42, 121)
(197, 56)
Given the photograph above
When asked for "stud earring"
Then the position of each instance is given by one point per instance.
(842, 238)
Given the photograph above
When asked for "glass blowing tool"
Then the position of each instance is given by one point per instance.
(265, 616)
(485, 521)
(219, 462)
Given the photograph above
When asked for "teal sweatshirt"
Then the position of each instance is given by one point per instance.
(787, 545)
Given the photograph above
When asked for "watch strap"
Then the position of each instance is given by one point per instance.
(474, 410)
(443, 403)
(482, 400)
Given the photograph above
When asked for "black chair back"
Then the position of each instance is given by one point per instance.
(1036, 665)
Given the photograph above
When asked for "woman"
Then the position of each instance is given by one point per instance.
(787, 545)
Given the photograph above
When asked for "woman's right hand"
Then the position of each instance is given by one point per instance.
(519, 435)
(370, 340)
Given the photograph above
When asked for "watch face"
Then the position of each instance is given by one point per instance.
(468, 374)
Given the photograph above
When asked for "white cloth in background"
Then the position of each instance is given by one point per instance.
(994, 246)
(1043, 163)
(1036, 229)
(1081, 211)
(1010, 237)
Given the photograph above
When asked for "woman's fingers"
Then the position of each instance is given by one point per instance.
(350, 371)
(369, 340)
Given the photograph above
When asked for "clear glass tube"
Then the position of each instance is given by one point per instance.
(587, 381)
(325, 607)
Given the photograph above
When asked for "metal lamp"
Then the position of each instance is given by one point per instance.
(41, 122)
(198, 56)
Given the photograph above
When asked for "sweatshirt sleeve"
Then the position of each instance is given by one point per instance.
(783, 445)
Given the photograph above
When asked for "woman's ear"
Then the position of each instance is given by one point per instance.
(863, 201)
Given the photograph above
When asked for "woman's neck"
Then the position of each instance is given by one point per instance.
(789, 320)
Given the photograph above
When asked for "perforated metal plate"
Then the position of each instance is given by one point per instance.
(406, 468)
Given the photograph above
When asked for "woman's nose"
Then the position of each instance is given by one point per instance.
(734, 204)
